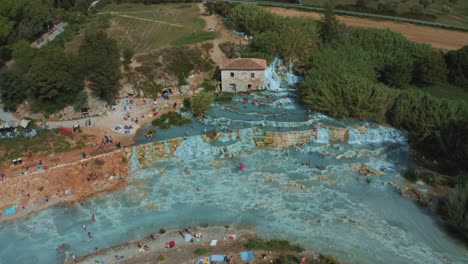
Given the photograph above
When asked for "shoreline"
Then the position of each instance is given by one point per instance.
(184, 252)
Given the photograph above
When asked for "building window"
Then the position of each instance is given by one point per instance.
(232, 74)
(252, 75)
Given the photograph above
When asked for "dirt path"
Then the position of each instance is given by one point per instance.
(145, 19)
(439, 38)
(216, 23)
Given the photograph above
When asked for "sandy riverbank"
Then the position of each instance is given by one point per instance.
(183, 252)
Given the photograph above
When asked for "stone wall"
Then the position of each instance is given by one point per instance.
(242, 78)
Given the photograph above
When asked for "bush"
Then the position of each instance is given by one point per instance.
(162, 231)
(326, 259)
(274, 244)
(224, 97)
(201, 102)
(161, 258)
(411, 175)
(201, 251)
(169, 119)
(81, 101)
(186, 105)
(208, 85)
(456, 208)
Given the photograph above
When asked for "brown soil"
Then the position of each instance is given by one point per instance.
(216, 23)
(439, 38)
(82, 177)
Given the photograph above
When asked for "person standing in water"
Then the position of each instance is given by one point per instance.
(84, 227)
(93, 218)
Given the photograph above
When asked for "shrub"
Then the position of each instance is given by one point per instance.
(162, 231)
(456, 208)
(201, 251)
(326, 259)
(224, 97)
(161, 258)
(201, 102)
(209, 85)
(274, 244)
(411, 175)
(169, 119)
(81, 101)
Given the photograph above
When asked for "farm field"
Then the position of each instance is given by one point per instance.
(147, 27)
(446, 12)
(439, 38)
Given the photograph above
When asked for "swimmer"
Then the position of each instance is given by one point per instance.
(84, 227)
(90, 235)
(93, 218)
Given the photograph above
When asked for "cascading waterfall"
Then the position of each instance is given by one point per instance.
(375, 135)
(323, 135)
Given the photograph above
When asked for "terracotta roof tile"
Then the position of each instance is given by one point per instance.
(244, 64)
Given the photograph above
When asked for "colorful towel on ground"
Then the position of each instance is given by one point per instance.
(217, 257)
(203, 261)
(247, 255)
(10, 211)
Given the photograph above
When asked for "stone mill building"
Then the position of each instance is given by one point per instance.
(243, 74)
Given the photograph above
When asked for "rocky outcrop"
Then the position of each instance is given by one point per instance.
(413, 193)
(340, 134)
(286, 139)
(365, 170)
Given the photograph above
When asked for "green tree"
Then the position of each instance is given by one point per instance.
(329, 28)
(362, 3)
(201, 102)
(430, 68)
(6, 27)
(54, 78)
(13, 88)
(100, 61)
(457, 65)
(127, 56)
(252, 19)
(425, 3)
(396, 74)
(23, 54)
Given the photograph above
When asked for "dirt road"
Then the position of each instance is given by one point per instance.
(439, 38)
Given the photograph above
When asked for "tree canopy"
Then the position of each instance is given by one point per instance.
(55, 79)
(100, 59)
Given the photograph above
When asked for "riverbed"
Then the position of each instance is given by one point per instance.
(309, 193)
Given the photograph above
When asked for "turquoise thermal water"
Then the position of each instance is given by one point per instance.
(327, 210)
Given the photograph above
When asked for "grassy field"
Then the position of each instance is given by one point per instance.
(443, 90)
(46, 142)
(148, 27)
(446, 12)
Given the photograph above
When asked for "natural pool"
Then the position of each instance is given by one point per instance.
(327, 209)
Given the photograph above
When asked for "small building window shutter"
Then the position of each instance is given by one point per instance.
(252, 75)
(232, 74)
